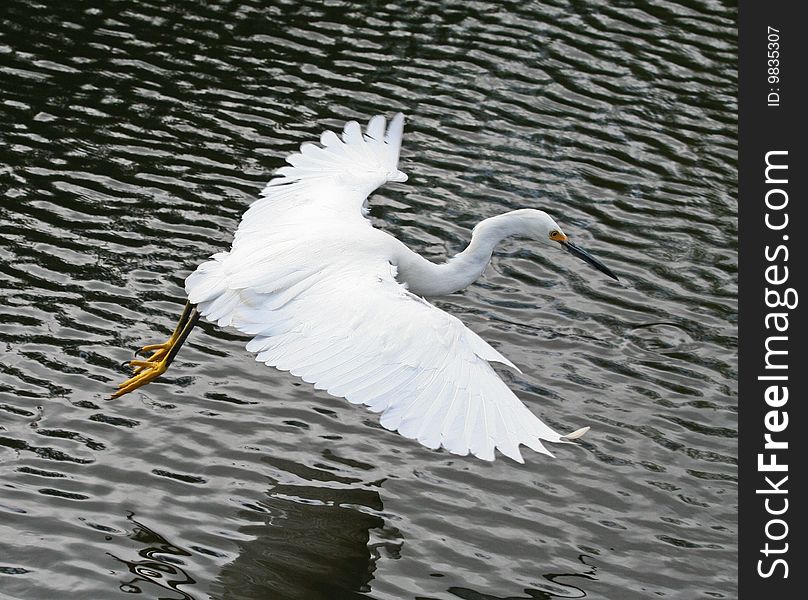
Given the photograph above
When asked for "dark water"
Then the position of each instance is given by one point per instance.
(134, 134)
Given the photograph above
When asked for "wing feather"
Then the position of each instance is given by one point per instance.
(331, 180)
(376, 127)
(353, 330)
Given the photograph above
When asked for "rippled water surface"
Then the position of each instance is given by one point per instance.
(132, 137)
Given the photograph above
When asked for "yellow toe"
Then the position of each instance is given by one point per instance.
(145, 372)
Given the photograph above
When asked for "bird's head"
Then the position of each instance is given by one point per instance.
(537, 224)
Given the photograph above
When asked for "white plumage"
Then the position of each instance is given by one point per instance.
(325, 296)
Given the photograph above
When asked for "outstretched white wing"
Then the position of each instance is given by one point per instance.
(351, 329)
(330, 181)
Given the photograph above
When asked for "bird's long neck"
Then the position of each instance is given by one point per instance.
(429, 279)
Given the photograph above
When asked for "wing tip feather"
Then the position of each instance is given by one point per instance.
(575, 434)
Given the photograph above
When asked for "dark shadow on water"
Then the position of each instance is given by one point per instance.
(308, 543)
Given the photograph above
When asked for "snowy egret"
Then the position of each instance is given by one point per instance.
(340, 304)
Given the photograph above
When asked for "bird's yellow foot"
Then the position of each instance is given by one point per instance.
(159, 351)
(146, 371)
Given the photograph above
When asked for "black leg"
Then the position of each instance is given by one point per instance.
(190, 322)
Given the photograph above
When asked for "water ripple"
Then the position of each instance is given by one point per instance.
(135, 134)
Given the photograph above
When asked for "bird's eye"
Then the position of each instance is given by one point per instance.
(554, 234)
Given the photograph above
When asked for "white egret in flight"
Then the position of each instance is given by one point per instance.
(340, 304)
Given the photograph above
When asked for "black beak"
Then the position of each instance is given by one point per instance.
(586, 257)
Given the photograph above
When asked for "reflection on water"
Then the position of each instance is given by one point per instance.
(297, 542)
(133, 134)
(283, 560)
(157, 566)
(277, 556)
